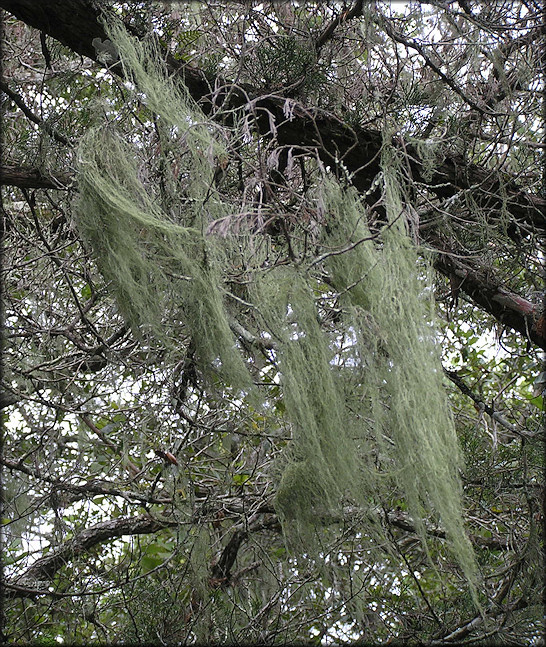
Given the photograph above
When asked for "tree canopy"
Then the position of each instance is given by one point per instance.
(273, 322)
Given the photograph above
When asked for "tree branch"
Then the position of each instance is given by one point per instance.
(90, 489)
(460, 384)
(221, 571)
(468, 627)
(33, 178)
(328, 32)
(19, 102)
(45, 568)
(399, 38)
(507, 307)
(7, 399)
(221, 575)
(402, 521)
(76, 23)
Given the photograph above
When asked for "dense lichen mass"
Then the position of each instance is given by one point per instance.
(366, 405)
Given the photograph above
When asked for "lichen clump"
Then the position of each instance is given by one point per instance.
(364, 397)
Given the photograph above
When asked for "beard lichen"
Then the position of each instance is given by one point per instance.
(161, 266)
(364, 397)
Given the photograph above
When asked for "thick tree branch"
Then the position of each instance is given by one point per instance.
(507, 307)
(221, 571)
(43, 570)
(46, 567)
(33, 178)
(76, 23)
(7, 399)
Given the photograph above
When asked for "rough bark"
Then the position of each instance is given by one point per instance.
(486, 292)
(44, 568)
(75, 23)
(32, 178)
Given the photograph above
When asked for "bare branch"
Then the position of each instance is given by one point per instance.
(20, 103)
(32, 178)
(46, 567)
(329, 30)
(460, 384)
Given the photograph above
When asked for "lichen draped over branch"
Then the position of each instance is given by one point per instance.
(364, 396)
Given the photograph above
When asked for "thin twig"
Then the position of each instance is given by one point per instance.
(20, 103)
(464, 388)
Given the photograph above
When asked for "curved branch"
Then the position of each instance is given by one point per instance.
(7, 399)
(33, 178)
(411, 44)
(46, 567)
(505, 306)
(402, 521)
(74, 23)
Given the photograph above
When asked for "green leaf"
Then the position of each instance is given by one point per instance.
(241, 479)
(86, 291)
(538, 401)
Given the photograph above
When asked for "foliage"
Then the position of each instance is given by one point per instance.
(226, 414)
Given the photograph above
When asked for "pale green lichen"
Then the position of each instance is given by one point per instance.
(365, 398)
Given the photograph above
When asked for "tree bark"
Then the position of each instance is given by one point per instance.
(75, 23)
(505, 306)
(32, 178)
(46, 567)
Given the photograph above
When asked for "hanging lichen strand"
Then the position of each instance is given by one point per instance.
(364, 396)
(322, 465)
(398, 374)
(162, 267)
